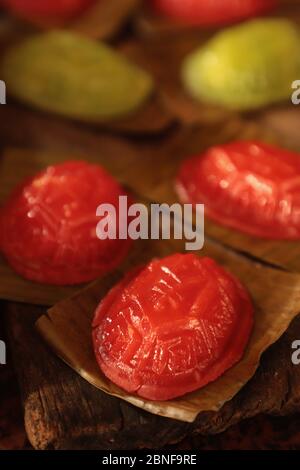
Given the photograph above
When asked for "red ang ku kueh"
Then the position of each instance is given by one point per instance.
(213, 12)
(248, 186)
(172, 327)
(48, 9)
(47, 226)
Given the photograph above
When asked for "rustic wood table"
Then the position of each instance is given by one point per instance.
(260, 433)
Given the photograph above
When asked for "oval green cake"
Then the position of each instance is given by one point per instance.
(73, 76)
(246, 66)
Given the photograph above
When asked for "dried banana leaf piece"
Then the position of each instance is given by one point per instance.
(75, 77)
(247, 66)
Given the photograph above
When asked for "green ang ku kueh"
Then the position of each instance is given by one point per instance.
(246, 66)
(76, 77)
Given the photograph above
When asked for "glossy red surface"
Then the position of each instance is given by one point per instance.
(213, 12)
(172, 327)
(249, 186)
(57, 9)
(48, 226)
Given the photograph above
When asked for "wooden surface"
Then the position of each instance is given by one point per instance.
(12, 432)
